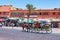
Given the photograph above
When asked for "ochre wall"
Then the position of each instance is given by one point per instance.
(38, 11)
(8, 11)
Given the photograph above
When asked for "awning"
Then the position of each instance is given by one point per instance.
(25, 20)
(13, 18)
(43, 21)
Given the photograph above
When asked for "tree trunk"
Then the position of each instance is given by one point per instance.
(28, 22)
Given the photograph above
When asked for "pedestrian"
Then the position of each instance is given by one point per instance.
(23, 26)
(1, 24)
(35, 26)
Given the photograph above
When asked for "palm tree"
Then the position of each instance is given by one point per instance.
(30, 9)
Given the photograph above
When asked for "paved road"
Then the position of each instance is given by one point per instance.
(10, 34)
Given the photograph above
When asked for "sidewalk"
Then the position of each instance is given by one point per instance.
(15, 28)
(54, 30)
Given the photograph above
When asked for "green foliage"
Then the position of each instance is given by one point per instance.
(42, 27)
(30, 7)
(45, 27)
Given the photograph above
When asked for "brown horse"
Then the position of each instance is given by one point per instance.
(25, 25)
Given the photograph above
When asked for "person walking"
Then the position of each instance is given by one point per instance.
(1, 24)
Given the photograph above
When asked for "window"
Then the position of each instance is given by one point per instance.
(54, 13)
(35, 13)
(0, 12)
(58, 13)
(4, 13)
(3, 17)
(22, 14)
(40, 13)
(45, 13)
(14, 14)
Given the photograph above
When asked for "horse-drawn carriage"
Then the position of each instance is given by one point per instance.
(37, 27)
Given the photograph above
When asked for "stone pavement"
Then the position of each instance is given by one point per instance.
(12, 34)
(54, 30)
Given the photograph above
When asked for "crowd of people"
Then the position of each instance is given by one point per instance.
(35, 26)
(27, 26)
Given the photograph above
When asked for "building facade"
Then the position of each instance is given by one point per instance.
(48, 14)
(37, 15)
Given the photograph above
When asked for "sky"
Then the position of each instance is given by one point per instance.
(39, 4)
